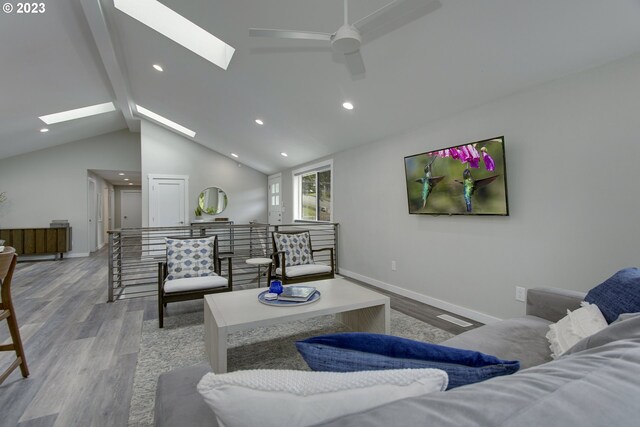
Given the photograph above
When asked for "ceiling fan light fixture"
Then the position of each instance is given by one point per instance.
(346, 40)
(347, 105)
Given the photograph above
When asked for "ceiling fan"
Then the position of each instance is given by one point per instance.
(348, 38)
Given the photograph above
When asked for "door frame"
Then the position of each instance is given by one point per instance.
(152, 195)
(92, 201)
(269, 178)
(112, 207)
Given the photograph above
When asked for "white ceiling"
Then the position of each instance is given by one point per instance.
(113, 177)
(464, 54)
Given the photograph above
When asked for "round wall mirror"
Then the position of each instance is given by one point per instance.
(212, 200)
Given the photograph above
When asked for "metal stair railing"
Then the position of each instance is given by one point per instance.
(134, 253)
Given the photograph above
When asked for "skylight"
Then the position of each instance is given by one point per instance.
(78, 113)
(179, 29)
(158, 118)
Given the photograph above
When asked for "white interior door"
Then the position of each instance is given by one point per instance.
(131, 209)
(93, 220)
(168, 201)
(275, 199)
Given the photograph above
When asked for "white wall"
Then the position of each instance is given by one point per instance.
(164, 152)
(52, 183)
(572, 149)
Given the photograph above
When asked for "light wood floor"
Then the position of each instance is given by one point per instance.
(82, 351)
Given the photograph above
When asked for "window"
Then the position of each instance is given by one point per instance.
(312, 192)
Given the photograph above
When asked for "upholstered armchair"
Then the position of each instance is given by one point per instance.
(191, 271)
(293, 258)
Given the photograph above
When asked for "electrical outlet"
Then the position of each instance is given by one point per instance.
(521, 294)
(393, 266)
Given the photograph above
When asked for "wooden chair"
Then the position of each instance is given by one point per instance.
(192, 270)
(7, 264)
(293, 258)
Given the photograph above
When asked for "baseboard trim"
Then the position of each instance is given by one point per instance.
(443, 305)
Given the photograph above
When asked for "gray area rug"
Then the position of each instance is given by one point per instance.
(181, 343)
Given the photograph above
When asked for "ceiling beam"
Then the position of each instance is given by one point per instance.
(113, 66)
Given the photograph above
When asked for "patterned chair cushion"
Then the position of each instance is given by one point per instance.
(296, 247)
(190, 258)
(194, 284)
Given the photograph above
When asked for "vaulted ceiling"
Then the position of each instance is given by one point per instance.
(464, 54)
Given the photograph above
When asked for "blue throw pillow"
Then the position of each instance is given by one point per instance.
(348, 352)
(618, 294)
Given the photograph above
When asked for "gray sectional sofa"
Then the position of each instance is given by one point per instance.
(594, 384)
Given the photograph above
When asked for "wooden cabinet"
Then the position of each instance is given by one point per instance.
(38, 241)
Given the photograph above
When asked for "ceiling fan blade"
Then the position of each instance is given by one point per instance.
(355, 64)
(393, 11)
(288, 34)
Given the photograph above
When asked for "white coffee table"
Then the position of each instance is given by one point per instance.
(360, 309)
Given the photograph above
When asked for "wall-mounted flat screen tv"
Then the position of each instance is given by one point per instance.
(468, 179)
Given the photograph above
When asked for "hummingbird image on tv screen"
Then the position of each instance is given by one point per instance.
(470, 186)
(428, 182)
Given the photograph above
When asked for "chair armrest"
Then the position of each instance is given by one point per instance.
(330, 255)
(162, 273)
(552, 303)
(274, 264)
(322, 249)
(217, 266)
(230, 270)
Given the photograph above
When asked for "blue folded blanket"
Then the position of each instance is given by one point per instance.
(348, 352)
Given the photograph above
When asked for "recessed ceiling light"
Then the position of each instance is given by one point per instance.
(78, 113)
(43, 130)
(260, 122)
(234, 155)
(126, 179)
(283, 154)
(158, 118)
(121, 174)
(170, 24)
(347, 105)
(158, 67)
